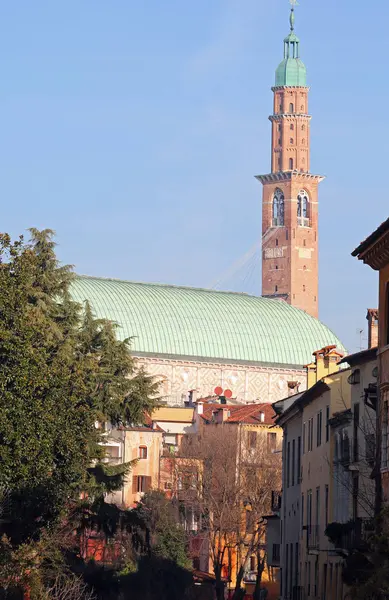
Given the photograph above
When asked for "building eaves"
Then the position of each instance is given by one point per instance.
(359, 357)
(371, 239)
(306, 398)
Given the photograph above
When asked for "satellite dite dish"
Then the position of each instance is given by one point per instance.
(227, 393)
(218, 390)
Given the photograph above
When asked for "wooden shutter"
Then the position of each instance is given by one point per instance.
(147, 484)
(134, 484)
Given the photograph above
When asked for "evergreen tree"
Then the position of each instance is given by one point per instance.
(61, 371)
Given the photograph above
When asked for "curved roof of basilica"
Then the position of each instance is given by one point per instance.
(177, 322)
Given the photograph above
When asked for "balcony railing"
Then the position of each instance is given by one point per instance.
(313, 537)
(355, 534)
(303, 222)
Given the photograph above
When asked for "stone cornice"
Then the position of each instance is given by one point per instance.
(287, 176)
(289, 117)
(276, 88)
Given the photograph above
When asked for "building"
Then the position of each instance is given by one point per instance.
(374, 251)
(194, 340)
(235, 454)
(290, 191)
(328, 458)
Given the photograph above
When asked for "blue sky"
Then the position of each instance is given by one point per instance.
(135, 129)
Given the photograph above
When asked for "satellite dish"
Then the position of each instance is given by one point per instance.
(218, 390)
(227, 393)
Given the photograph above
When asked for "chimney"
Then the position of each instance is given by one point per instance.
(198, 411)
(372, 319)
(221, 414)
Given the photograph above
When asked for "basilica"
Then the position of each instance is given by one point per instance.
(194, 340)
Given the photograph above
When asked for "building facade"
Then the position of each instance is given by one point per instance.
(194, 340)
(290, 191)
(374, 251)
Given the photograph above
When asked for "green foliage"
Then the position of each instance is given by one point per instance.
(164, 538)
(61, 371)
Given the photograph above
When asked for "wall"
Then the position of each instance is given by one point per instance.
(148, 467)
(248, 383)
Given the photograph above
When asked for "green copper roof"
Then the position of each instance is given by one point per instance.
(291, 71)
(205, 324)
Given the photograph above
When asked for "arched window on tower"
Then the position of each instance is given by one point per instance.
(278, 208)
(292, 127)
(291, 164)
(303, 209)
(291, 107)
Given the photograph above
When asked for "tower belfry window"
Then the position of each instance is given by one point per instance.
(291, 107)
(278, 208)
(303, 209)
(291, 164)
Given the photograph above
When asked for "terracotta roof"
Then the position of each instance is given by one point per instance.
(249, 413)
(373, 237)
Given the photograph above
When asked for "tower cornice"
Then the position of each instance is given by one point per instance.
(289, 117)
(288, 176)
(276, 88)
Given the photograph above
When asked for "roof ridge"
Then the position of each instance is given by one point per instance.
(165, 285)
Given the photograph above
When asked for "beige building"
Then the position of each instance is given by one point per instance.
(328, 456)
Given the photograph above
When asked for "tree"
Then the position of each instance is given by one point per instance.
(227, 484)
(61, 371)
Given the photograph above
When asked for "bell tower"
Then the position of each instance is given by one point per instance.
(290, 191)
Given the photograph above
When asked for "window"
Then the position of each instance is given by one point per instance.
(302, 511)
(302, 127)
(276, 242)
(281, 108)
(252, 563)
(291, 141)
(387, 313)
(304, 428)
(141, 483)
(291, 107)
(249, 521)
(287, 574)
(291, 164)
(142, 451)
(355, 433)
(276, 267)
(385, 435)
(276, 552)
(292, 127)
(278, 208)
(327, 420)
(252, 439)
(276, 288)
(326, 500)
(293, 459)
(303, 209)
(279, 127)
(302, 107)
(196, 563)
(355, 496)
(317, 519)
(299, 459)
(310, 435)
(271, 442)
(309, 578)
(288, 465)
(304, 243)
(319, 425)
(370, 449)
(303, 142)
(279, 141)
(287, 234)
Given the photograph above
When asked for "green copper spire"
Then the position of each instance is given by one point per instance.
(291, 71)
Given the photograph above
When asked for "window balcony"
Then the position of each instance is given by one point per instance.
(313, 537)
(303, 222)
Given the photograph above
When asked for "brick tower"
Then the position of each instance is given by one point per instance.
(290, 191)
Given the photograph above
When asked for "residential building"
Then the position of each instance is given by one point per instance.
(330, 481)
(143, 446)
(374, 251)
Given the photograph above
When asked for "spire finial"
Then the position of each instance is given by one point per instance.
(291, 18)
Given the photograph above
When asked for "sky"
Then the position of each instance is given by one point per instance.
(134, 129)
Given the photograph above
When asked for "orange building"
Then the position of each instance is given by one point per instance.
(290, 191)
(374, 251)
